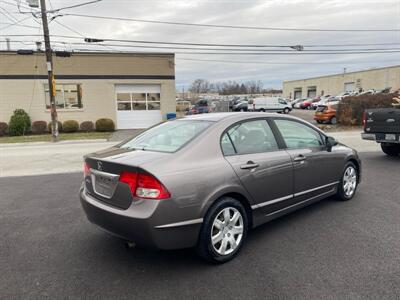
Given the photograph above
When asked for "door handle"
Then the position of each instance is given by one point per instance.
(249, 165)
(299, 158)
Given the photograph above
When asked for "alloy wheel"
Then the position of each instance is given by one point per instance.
(227, 231)
(349, 181)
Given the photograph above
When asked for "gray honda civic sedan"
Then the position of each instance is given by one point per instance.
(204, 181)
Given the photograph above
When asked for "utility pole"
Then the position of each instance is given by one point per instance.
(49, 64)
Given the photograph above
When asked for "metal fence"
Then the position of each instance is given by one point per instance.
(220, 106)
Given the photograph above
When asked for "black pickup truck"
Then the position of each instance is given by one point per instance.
(383, 126)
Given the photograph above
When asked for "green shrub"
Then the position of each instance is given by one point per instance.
(87, 126)
(39, 127)
(60, 128)
(3, 128)
(70, 126)
(20, 123)
(105, 125)
(350, 109)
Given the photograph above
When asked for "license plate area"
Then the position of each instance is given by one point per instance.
(390, 137)
(104, 184)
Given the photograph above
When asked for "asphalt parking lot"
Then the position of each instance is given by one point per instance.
(330, 250)
(305, 114)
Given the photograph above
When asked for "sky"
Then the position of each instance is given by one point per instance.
(272, 70)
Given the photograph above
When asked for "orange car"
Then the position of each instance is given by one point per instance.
(326, 113)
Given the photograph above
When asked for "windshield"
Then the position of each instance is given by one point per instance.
(167, 137)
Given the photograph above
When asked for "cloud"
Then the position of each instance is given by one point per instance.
(366, 14)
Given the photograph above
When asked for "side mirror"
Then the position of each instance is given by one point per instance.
(330, 142)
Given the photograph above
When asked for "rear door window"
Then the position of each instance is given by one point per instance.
(297, 135)
(249, 137)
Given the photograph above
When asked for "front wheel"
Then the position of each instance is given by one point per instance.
(333, 120)
(286, 111)
(223, 232)
(348, 184)
(391, 149)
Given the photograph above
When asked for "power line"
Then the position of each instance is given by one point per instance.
(213, 44)
(214, 49)
(225, 49)
(261, 53)
(73, 6)
(274, 62)
(16, 23)
(228, 26)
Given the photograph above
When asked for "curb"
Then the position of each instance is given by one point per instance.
(68, 142)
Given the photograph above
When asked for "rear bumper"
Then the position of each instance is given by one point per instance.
(141, 224)
(381, 137)
(322, 117)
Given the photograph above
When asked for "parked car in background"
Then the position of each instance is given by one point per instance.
(326, 114)
(383, 126)
(183, 105)
(296, 103)
(344, 95)
(271, 104)
(204, 181)
(307, 103)
(200, 107)
(322, 101)
(241, 106)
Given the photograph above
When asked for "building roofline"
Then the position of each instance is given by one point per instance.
(337, 74)
(95, 53)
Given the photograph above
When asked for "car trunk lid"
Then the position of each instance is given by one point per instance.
(104, 169)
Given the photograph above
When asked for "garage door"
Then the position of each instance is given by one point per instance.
(311, 93)
(138, 106)
(349, 87)
(297, 95)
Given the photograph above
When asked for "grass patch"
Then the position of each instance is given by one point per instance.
(63, 137)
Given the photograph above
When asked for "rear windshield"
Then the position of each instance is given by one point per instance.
(167, 137)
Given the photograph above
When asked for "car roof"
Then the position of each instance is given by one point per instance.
(233, 117)
(216, 117)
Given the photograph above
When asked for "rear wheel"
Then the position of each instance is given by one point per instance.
(348, 184)
(333, 120)
(262, 109)
(391, 149)
(319, 121)
(223, 232)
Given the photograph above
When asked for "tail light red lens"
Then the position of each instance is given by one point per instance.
(86, 169)
(130, 179)
(144, 186)
(364, 119)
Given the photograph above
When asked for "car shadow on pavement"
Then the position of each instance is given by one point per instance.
(183, 258)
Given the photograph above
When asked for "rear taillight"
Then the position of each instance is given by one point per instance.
(86, 169)
(364, 119)
(130, 179)
(144, 186)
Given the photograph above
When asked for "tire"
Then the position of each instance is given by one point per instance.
(350, 176)
(333, 120)
(319, 121)
(390, 149)
(262, 110)
(286, 111)
(218, 252)
(242, 109)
